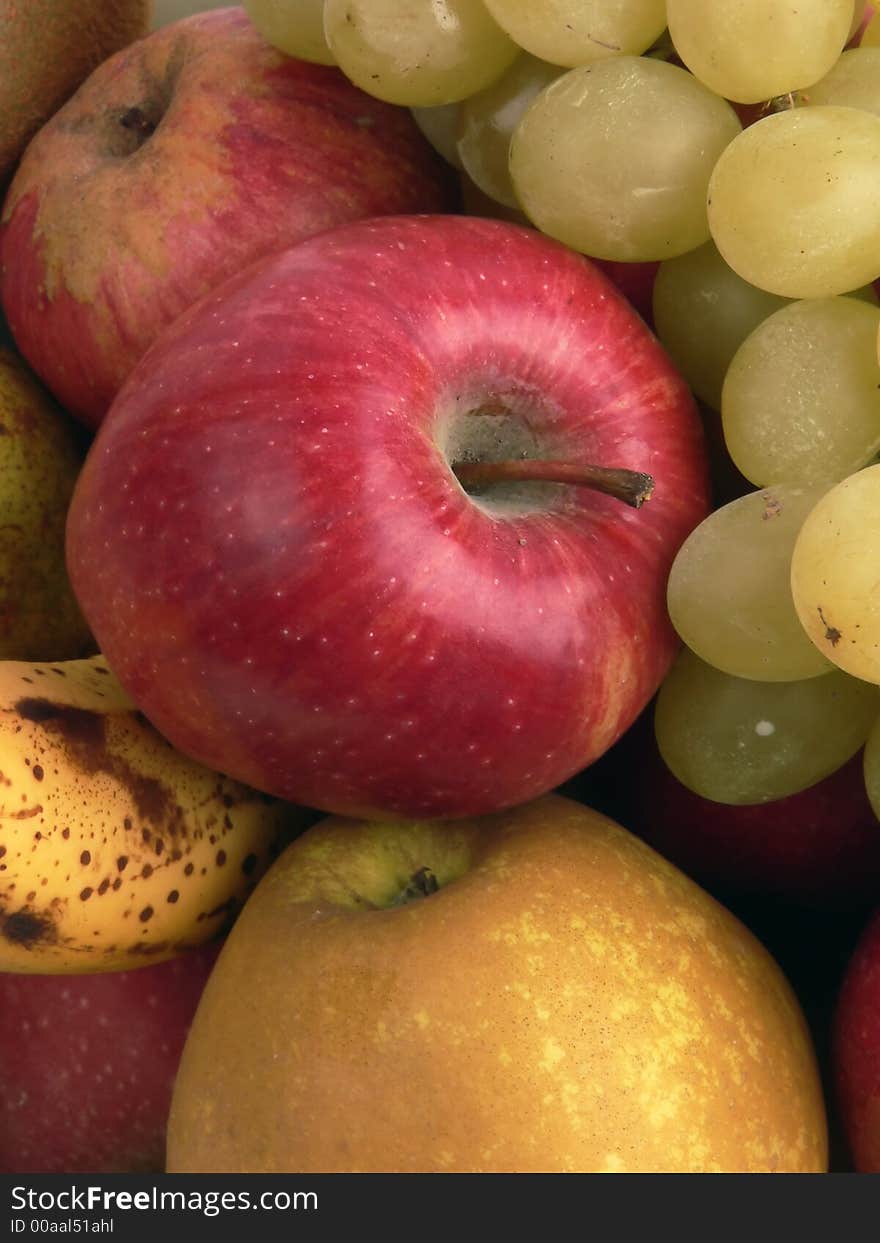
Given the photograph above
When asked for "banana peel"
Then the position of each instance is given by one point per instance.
(115, 849)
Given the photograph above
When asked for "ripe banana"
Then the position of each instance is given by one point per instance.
(115, 850)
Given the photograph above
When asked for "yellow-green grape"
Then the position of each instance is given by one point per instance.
(854, 82)
(736, 740)
(415, 53)
(614, 158)
(729, 595)
(749, 50)
(835, 579)
(703, 311)
(293, 26)
(441, 126)
(871, 768)
(793, 202)
(801, 399)
(576, 32)
(488, 120)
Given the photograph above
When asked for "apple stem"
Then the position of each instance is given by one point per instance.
(630, 486)
(421, 884)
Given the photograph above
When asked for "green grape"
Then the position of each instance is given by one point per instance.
(736, 740)
(854, 82)
(801, 399)
(729, 594)
(834, 574)
(294, 26)
(871, 768)
(488, 120)
(749, 50)
(793, 202)
(703, 312)
(417, 54)
(575, 32)
(441, 126)
(614, 158)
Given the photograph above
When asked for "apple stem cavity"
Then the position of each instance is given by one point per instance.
(421, 884)
(136, 120)
(630, 486)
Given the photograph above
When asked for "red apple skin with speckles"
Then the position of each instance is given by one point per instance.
(856, 1050)
(87, 1065)
(181, 159)
(283, 571)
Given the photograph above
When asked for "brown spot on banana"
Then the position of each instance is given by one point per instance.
(94, 851)
(27, 930)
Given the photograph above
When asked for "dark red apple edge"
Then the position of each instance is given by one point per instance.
(89, 1064)
(855, 1045)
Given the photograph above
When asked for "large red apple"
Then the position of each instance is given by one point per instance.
(285, 571)
(856, 1050)
(181, 159)
(87, 1065)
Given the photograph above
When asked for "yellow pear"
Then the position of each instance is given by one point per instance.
(40, 457)
(534, 991)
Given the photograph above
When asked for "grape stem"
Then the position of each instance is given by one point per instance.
(630, 486)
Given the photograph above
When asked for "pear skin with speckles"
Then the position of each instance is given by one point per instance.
(115, 850)
(537, 991)
(40, 458)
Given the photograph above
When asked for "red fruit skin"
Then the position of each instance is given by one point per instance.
(267, 520)
(819, 848)
(104, 242)
(87, 1064)
(856, 1050)
(635, 281)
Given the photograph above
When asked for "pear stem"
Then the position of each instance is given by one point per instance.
(421, 884)
(630, 486)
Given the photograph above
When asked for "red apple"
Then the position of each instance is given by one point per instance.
(819, 847)
(635, 281)
(87, 1064)
(856, 1050)
(283, 569)
(180, 160)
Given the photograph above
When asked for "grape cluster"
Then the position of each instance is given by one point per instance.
(735, 148)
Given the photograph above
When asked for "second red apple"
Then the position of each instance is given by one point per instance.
(180, 160)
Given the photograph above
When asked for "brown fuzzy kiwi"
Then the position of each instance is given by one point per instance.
(47, 48)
